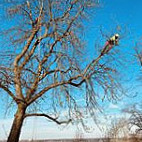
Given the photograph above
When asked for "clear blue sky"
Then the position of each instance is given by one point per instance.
(125, 13)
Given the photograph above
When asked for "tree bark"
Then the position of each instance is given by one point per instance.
(17, 124)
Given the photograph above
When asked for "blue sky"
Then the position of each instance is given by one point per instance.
(126, 14)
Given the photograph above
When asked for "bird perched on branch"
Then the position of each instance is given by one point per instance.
(113, 41)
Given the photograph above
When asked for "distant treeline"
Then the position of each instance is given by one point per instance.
(87, 140)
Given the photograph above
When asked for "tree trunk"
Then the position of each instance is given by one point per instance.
(17, 124)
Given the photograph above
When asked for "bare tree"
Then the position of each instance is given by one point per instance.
(136, 111)
(46, 65)
(136, 120)
(79, 137)
(119, 129)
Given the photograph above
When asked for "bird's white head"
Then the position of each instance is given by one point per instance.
(116, 35)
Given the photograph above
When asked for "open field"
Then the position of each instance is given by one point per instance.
(86, 140)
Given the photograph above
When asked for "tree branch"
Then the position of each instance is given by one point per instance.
(33, 89)
(27, 58)
(8, 91)
(83, 75)
(49, 117)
